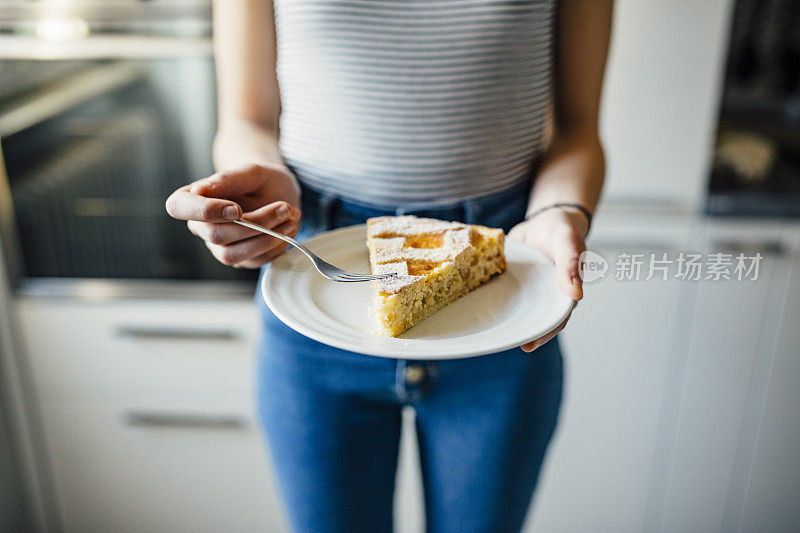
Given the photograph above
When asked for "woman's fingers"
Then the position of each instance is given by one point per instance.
(517, 233)
(566, 257)
(243, 252)
(227, 233)
(184, 205)
(555, 234)
(272, 214)
(235, 182)
(531, 346)
(269, 216)
(210, 204)
(263, 259)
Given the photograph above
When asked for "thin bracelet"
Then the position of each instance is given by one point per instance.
(579, 207)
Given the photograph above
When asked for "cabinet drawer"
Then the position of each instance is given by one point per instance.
(178, 468)
(98, 349)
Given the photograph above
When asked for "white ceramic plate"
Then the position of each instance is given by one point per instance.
(514, 308)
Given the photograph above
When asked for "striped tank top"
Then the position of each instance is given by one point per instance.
(397, 102)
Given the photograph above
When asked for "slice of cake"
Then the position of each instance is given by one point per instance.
(436, 263)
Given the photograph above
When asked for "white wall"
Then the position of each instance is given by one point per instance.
(661, 96)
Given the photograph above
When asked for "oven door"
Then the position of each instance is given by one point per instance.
(92, 148)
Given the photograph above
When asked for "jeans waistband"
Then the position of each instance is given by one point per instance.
(324, 211)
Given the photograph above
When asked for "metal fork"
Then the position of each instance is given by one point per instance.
(323, 267)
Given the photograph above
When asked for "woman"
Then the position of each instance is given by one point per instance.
(435, 108)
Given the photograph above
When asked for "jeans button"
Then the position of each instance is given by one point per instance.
(414, 374)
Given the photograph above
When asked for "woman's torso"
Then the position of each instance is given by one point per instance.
(413, 101)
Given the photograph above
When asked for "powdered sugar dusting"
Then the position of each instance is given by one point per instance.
(458, 239)
(429, 255)
(408, 225)
(395, 283)
(392, 243)
(390, 253)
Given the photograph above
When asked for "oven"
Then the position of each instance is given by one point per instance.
(105, 108)
(756, 165)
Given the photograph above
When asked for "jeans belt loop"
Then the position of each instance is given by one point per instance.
(400, 381)
(472, 211)
(327, 203)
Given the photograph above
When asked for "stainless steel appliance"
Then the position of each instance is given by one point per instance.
(756, 168)
(105, 108)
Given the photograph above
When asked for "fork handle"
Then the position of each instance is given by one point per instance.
(275, 234)
(262, 229)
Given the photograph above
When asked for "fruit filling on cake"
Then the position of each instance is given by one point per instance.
(436, 262)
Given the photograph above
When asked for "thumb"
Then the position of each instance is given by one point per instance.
(184, 205)
(567, 268)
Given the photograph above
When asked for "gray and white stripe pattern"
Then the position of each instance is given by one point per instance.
(393, 102)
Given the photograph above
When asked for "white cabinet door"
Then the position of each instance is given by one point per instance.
(725, 379)
(158, 470)
(681, 400)
(617, 350)
(112, 349)
(148, 414)
(772, 498)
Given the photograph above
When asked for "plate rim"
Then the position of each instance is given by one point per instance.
(375, 352)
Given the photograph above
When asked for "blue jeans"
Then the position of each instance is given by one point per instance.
(333, 417)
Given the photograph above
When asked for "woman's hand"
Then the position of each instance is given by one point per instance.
(266, 194)
(558, 233)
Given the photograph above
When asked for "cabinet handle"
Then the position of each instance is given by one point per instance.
(176, 334)
(630, 246)
(183, 420)
(771, 248)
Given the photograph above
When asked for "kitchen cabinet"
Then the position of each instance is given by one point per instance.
(769, 502)
(731, 346)
(126, 347)
(680, 408)
(147, 414)
(117, 468)
(618, 350)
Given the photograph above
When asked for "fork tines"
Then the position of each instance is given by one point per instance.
(349, 276)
